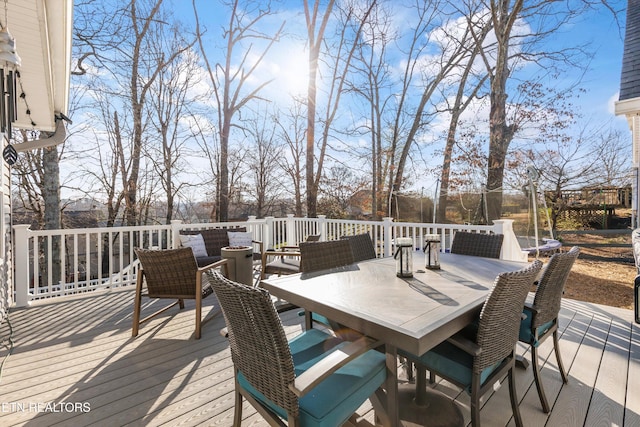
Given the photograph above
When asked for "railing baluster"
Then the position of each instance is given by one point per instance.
(76, 270)
(87, 260)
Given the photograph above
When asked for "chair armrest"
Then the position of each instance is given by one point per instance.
(465, 345)
(531, 308)
(260, 245)
(273, 252)
(223, 262)
(327, 366)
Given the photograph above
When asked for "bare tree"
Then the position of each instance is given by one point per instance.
(291, 127)
(371, 81)
(170, 100)
(28, 177)
(340, 185)
(37, 176)
(615, 164)
(453, 50)
(143, 74)
(131, 54)
(315, 34)
(265, 182)
(353, 16)
(462, 100)
(566, 163)
(594, 158)
(229, 79)
(515, 45)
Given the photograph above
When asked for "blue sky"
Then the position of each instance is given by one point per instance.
(599, 28)
(602, 78)
(287, 60)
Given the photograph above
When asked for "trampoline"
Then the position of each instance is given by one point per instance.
(545, 246)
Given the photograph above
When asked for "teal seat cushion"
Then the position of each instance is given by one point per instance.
(334, 400)
(308, 345)
(319, 318)
(525, 330)
(450, 361)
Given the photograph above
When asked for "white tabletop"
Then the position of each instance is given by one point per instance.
(413, 314)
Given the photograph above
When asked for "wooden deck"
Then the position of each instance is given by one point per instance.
(75, 363)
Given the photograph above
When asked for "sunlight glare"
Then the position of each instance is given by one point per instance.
(294, 73)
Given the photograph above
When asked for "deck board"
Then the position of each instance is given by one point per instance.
(632, 401)
(607, 401)
(81, 351)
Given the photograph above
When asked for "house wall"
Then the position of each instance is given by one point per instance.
(6, 270)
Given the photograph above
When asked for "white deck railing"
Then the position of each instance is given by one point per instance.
(58, 263)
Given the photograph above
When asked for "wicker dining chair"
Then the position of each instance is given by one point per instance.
(284, 260)
(314, 380)
(477, 244)
(315, 256)
(361, 247)
(481, 354)
(173, 274)
(541, 319)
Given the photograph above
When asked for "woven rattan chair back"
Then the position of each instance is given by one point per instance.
(316, 256)
(477, 244)
(361, 247)
(259, 347)
(313, 238)
(169, 273)
(501, 314)
(551, 285)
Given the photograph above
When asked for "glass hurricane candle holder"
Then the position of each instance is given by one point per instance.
(432, 251)
(404, 257)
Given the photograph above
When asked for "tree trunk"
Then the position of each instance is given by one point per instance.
(223, 193)
(51, 196)
(441, 213)
(315, 42)
(312, 191)
(504, 16)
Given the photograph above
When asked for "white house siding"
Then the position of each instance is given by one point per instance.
(42, 30)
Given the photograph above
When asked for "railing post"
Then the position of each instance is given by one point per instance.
(268, 232)
(322, 225)
(21, 263)
(387, 226)
(510, 247)
(251, 225)
(175, 233)
(292, 238)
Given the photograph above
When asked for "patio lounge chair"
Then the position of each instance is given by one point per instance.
(313, 380)
(477, 244)
(541, 319)
(173, 274)
(481, 354)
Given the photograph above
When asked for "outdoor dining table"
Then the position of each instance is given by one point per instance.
(411, 314)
